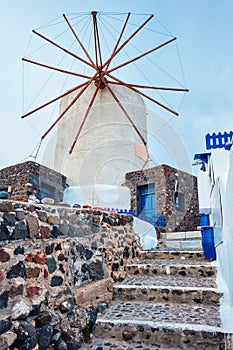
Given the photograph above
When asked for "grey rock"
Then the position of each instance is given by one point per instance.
(17, 270)
(9, 219)
(5, 325)
(4, 195)
(20, 231)
(88, 254)
(42, 215)
(4, 233)
(25, 330)
(19, 250)
(4, 300)
(73, 232)
(6, 206)
(51, 263)
(95, 270)
(62, 345)
(20, 310)
(67, 305)
(64, 228)
(56, 281)
(56, 232)
(76, 205)
(6, 340)
(56, 336)
(44, 334)
(49, 249)
(43, 318)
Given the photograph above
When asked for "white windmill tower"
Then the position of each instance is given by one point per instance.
(101, 130)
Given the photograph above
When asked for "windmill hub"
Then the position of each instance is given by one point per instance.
(100, 81)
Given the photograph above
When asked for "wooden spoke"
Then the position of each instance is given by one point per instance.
(142, 94)
(118, 41)
(126, 41)
(99, 62)
(142, 55)
(62, 48)
(54, 100)
(56, 69)
(152, 87)
(79, 41)
(85, 118)
(67, 108)
(125, 112)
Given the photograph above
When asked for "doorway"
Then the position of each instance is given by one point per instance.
(147, 202)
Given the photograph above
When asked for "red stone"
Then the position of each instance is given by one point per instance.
(29, 258)
(45, 232)
(1, 275)
(4, 256)
(40, 258)
(61, 257)
(46, 274)
(33, 290)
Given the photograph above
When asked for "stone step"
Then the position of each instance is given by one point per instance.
(173, 254)
(182, 240)
(183, 244)
(172, 289)
(188, 235)
(171, 267)
(114, 344)
(162, 326)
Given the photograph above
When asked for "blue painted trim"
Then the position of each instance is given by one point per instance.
(219, 140)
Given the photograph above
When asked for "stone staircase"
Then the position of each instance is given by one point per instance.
(169, 300)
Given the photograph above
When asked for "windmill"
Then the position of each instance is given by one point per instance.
(89, 111)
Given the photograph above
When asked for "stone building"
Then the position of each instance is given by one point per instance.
(166, 197)
(30, 178)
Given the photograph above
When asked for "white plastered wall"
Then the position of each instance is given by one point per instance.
(105, 150)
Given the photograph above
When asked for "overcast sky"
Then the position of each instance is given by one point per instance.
(204, 30)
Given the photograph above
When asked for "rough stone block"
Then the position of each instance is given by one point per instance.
(33, 225)
(6, 206)
(4, 256)
(94, 293)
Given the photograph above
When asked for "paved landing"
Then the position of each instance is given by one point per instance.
(178, 263)
(167, 315)
(172, 282)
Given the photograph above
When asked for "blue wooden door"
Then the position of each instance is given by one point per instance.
(147, 202)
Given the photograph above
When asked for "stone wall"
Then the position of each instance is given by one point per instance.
(167, 181)
(19, 175)
(57, 267)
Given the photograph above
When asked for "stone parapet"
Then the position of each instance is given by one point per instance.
(29, 178)
(61, 261)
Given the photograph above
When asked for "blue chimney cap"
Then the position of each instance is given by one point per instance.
(202, 156)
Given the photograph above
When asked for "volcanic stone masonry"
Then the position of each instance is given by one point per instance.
(32, 178)
(169, 183)
(57, 268)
